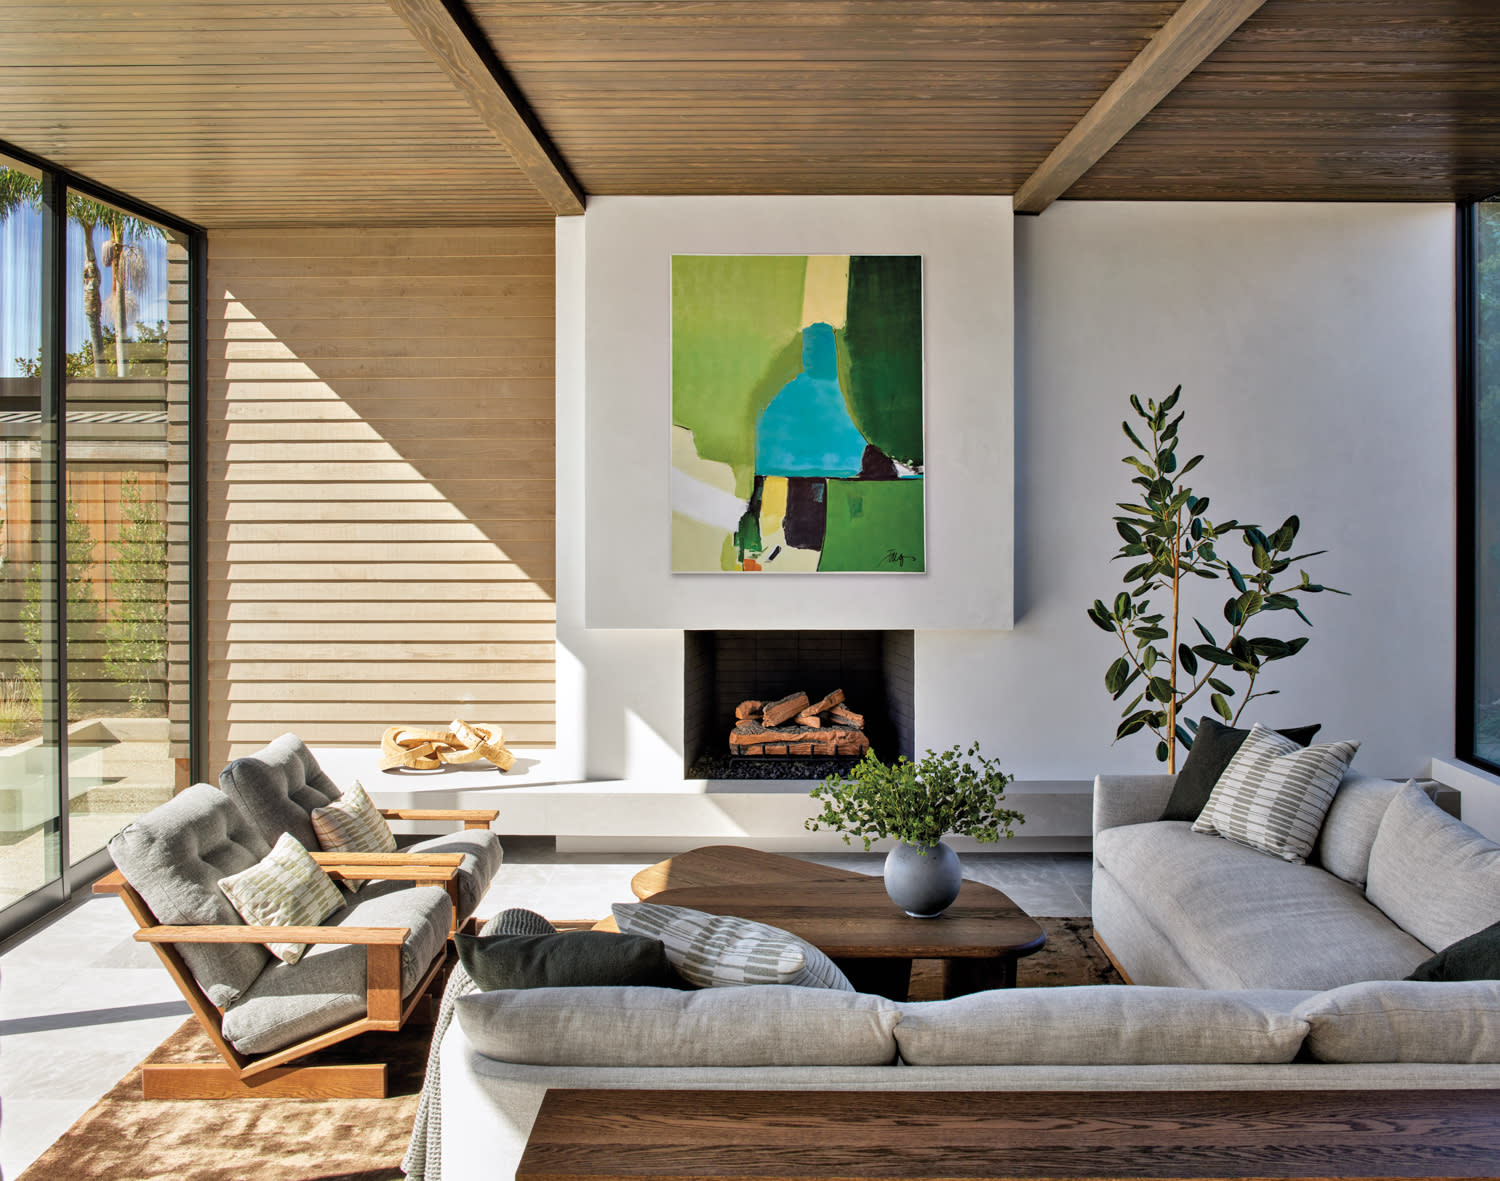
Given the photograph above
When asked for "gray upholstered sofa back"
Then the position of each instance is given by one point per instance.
(278, 787)
(174, 857)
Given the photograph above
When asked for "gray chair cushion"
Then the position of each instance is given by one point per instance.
(482, 856)
(1434, 875)
(1349, 828)
(278, 787)
(291, 1002)
(173, 857)
(1247, 920)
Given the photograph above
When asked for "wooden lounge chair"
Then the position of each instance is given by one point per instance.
(372, 965)
(278, 787)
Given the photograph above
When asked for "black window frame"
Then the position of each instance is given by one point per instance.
(57, 182)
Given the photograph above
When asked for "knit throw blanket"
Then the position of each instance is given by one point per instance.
(424, 1156)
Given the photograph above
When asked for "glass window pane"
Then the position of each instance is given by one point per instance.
(30, 798)
(126, 459)
(1487, 486)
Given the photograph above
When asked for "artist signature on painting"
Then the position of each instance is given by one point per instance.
(896, 558)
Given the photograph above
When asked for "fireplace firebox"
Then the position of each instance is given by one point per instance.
(724, 670)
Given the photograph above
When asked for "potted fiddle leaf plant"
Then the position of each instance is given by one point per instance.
(1167, 537)
(918, 804)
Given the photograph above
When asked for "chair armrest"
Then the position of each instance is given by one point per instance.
(1130, 799)
(208, 933)
(431, 874)
(390, 867)
(473, 818)
(327, 859)
(111, 883)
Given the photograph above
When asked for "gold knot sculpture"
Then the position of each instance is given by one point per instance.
(427, 750)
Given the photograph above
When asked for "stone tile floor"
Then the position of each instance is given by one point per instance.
(81, 1002)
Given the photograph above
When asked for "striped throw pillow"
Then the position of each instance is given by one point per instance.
(716, 951)
(285, 888)
(1274, 794)
(352, 824)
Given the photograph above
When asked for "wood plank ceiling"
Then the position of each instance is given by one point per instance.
(813, 96)
(245, 113)
(242, 113)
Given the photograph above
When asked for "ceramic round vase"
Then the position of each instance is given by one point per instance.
(923, 880)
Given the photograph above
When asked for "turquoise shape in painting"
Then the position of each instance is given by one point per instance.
(806, 429)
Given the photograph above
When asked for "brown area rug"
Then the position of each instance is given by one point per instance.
(125, 1138)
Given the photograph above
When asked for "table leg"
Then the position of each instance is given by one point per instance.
(975, 974)
(887, 977)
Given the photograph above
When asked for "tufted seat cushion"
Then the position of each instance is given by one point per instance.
(289, 1003)
(280, 785)
(174, 857)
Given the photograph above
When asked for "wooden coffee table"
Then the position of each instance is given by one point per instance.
(1015, 1136)
(848, 915)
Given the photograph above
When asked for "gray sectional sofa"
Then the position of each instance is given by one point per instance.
(1249, 972)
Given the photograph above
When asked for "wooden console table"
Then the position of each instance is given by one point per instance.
(603, 1135)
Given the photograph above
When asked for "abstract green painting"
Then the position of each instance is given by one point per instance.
(797, 414)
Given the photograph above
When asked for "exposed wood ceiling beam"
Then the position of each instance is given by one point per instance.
(1191, 33)
(450, 35)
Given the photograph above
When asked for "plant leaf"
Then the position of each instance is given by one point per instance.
(1188, 661)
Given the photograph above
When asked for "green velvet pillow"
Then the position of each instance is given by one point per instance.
(1474, 957)
(572, 959)
(1213, 746)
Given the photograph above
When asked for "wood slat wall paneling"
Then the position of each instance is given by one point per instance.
(380, 475)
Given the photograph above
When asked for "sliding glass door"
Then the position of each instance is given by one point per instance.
(31, 853)
(98, 337)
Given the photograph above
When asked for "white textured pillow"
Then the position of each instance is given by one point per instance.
(1274, 794)
(352, 824)
(714, 951)
(285, 888)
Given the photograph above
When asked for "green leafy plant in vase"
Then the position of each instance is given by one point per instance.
(919, 804)
(1167, 537)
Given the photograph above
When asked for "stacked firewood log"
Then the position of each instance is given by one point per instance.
(796, 726)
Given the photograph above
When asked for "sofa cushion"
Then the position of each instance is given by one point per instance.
(1101, 1025)
(285, 888)
(173, 857)
(1213, 746)
(1405, 1021)
(1349, 829)
(1273, 795)
(1474, 957)
(714, 951)
(1245, 920)
(573, 959)
(755, 1026)
(278, 787)
(288, 1003)
(482, 856)
(1434, 875)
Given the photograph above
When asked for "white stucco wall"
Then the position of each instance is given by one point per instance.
(1315, 347)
